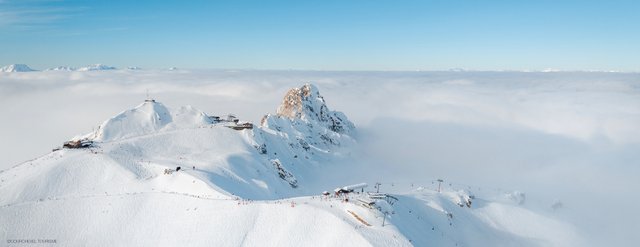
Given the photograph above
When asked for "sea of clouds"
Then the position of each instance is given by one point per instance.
(562, 136)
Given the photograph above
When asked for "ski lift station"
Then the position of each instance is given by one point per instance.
(364, 199)
(350, 188)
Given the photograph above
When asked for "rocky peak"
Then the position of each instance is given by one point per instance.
(306, 103)
(302, 102)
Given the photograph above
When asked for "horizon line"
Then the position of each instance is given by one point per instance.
(134, 68)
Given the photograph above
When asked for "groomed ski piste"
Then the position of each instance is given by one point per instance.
(156, 176)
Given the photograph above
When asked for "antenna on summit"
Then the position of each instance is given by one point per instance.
(149, 99)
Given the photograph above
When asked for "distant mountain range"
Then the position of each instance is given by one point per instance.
(92, 67)
(16, 68)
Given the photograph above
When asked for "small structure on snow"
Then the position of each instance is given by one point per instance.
(367, 203)
(84, 143)
(349, 188)
(241, 126)
(382, 196)
(232, 118)
(232, 122)
(171, 171)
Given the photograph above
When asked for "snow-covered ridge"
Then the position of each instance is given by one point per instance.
(16, 68)
(94, 67)
(148, 118)
(61, 68)
(303, 118)
(288, 146)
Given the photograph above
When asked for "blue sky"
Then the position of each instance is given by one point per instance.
(323, 35)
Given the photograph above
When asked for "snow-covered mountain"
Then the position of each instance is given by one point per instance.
(92, 67)
(96, 67)
(161, 176)
(61, 68)
(16, 68)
